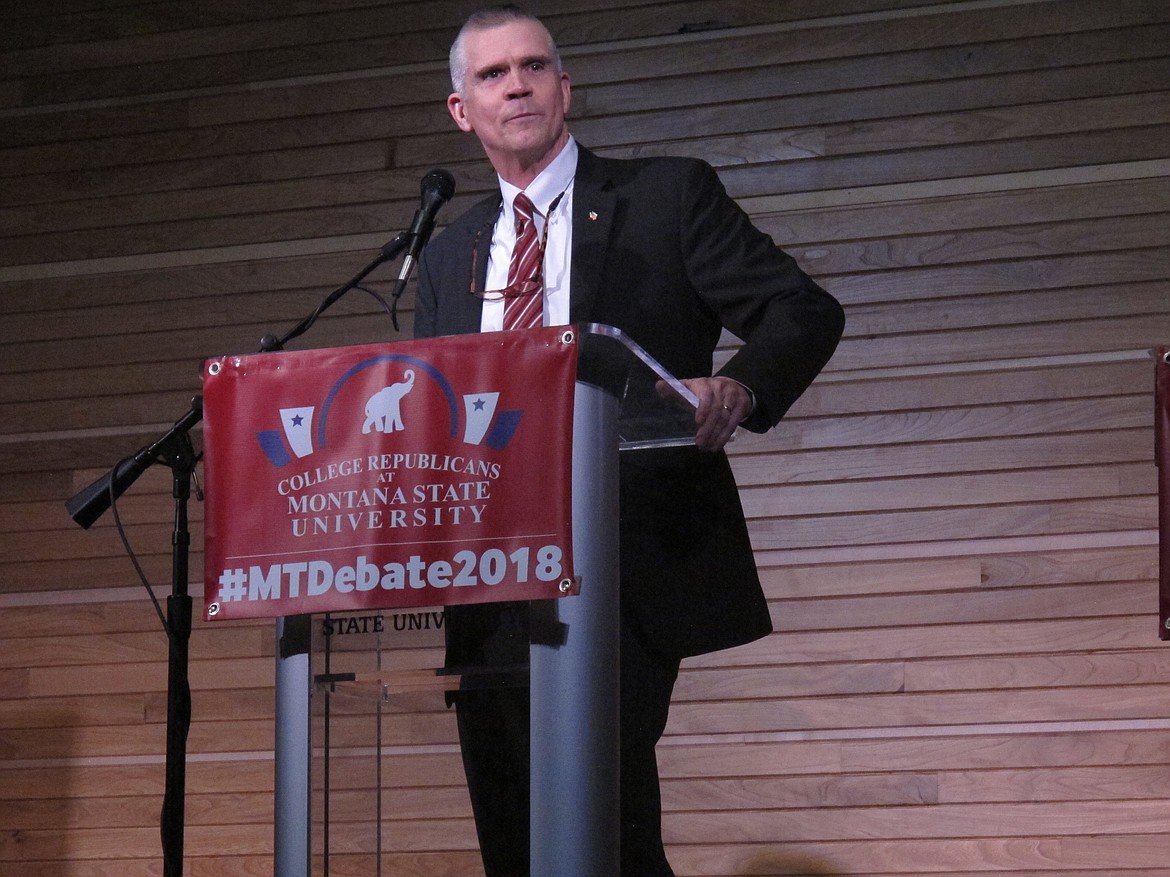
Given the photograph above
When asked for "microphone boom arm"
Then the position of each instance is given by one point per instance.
(270, 343)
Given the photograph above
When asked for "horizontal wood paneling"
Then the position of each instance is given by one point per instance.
(956, 526)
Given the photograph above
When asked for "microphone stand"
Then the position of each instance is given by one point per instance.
(174, 450)
(178, 454)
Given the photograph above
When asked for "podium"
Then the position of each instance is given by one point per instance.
(622, 401)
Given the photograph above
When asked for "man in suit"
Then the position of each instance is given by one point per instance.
(657, 248)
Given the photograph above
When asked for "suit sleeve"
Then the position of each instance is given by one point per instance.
(789, 325)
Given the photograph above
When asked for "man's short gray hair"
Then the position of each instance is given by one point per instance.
(485, 19)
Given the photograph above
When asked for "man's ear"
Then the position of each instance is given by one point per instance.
(457, 109)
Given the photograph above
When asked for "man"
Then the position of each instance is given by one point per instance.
(658, 249)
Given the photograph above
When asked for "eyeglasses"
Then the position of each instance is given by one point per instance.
(525, 288)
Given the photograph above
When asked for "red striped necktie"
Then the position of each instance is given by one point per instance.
(524, 311)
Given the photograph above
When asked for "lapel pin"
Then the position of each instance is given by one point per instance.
(593, 216)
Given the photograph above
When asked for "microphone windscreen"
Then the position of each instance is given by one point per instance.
(440, 183)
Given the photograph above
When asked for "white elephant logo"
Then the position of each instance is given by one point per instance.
(384, 408)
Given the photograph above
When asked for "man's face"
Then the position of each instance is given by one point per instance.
(513, 98)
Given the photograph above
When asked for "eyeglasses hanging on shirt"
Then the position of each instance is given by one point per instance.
(529, 281)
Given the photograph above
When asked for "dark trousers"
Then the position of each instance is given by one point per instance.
(494, 736)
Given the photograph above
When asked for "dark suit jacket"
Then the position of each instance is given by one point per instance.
(662, 252)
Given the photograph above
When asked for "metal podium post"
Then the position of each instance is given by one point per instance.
(293, 750)
(574, 718)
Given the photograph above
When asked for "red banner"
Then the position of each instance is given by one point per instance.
(419, 473)
(1162, 459)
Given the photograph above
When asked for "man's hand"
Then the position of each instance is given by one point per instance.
(723, 405)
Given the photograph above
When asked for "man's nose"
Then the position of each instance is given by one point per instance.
(518, 85)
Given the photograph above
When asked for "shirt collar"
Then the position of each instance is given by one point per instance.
(549, 183)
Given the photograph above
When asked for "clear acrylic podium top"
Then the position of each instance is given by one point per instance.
(656, 409)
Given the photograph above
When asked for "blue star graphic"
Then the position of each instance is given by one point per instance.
(479, 403)
(297, 420)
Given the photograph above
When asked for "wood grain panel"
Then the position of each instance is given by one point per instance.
(910, 641)
(1039, 519)
(894, 823)
(1050, 205)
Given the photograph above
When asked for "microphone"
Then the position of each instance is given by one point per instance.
(437, 188)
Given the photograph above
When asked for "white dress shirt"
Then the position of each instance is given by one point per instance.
(555, 180)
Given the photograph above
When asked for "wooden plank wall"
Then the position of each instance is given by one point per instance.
(956, 525)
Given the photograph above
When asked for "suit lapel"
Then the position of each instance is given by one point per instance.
(475, 246)
(594, 206)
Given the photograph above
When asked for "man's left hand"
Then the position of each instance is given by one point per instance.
(723, 405)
